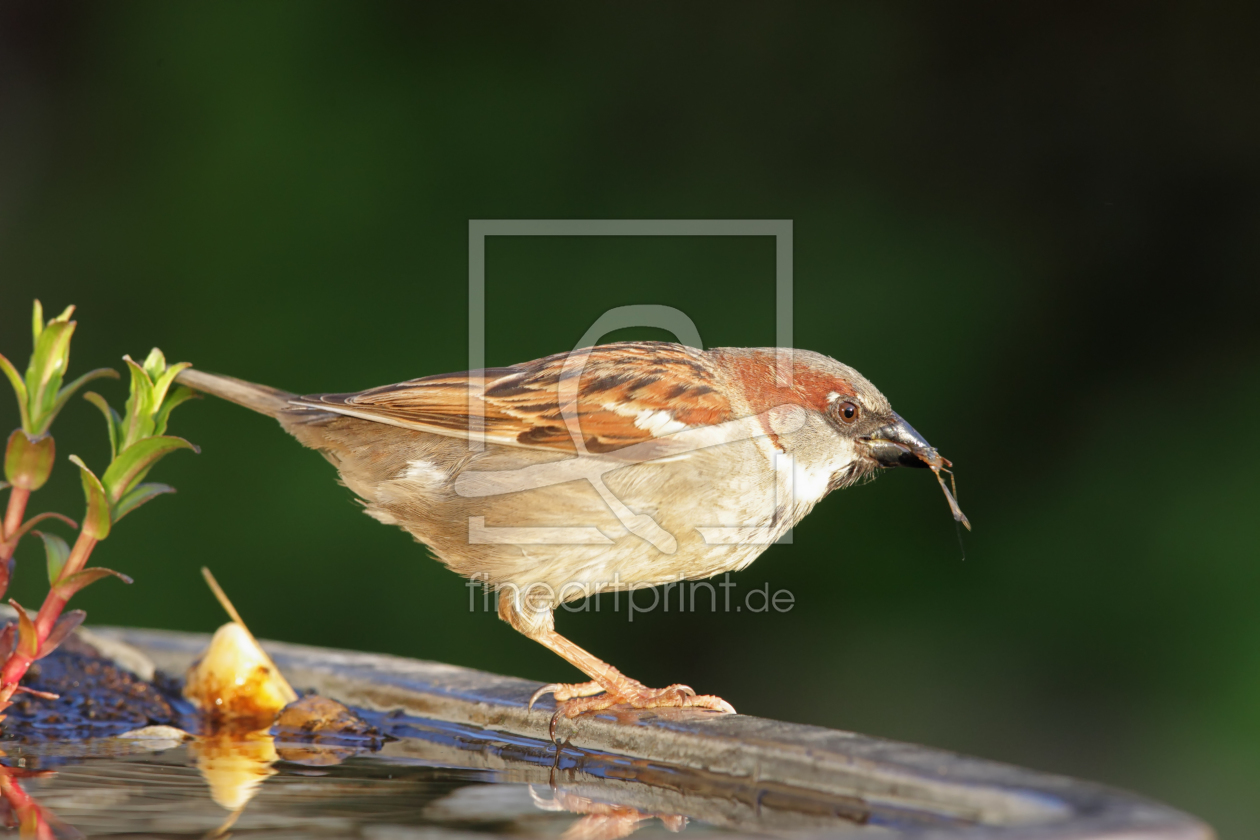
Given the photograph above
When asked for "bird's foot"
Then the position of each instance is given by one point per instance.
(574, 699)
(638, 696)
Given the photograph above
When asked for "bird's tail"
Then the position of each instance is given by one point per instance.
(261, 398)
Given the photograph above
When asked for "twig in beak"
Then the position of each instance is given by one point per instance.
(959, 516)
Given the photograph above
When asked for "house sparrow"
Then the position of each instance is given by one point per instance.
(608, 468)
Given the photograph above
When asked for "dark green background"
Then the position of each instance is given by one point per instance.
(1036, 231)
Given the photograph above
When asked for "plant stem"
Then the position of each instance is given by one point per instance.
(13, 672)
(17, 509)
(16, 666)
(18, 497)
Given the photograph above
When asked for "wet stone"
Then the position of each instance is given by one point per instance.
(313, 716)
(318, 731)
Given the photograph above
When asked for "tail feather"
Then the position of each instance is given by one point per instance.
(261, 398)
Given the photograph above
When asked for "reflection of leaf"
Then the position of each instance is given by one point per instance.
(78, 580)
(140, 494)
(58, 553)
(96, 521)
(65, 625)
(137, 459)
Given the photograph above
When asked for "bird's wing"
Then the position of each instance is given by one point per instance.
(627, 393)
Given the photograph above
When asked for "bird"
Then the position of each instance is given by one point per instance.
(602, 469)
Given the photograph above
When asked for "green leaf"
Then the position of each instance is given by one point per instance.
(19, 388)
(112, 420)
(28, 639)
(67, 392)
(135, 461)
(154, 364)
(28, 461)
(37, 321)
(140, 494)
(48, 365)
(138, 413)
(35, 520)
(78, 580)
(181, 395)
(96, 520)
(58, 552)
(61, 630)
(162, 383)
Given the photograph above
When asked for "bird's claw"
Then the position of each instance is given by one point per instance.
(549, 688)
(565, 691)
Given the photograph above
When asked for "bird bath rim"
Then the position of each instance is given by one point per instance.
(739, 763)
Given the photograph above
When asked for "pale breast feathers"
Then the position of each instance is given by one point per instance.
(626, 394)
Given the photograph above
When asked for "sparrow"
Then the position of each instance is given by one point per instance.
(604, 469)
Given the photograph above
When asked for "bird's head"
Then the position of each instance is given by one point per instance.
(850, 431)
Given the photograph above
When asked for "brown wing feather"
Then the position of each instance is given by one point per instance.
(521, 403)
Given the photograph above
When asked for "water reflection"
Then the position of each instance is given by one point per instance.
(18, 810)
(601, 820)
(234, 765)
(435, 778)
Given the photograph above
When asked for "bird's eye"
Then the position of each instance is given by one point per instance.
(848, 412)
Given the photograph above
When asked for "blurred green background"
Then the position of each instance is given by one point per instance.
(1038, 231)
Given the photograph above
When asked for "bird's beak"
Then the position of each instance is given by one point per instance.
(899, 445)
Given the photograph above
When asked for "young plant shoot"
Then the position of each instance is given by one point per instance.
(137, 440)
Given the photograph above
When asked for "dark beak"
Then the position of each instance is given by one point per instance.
(899, 445)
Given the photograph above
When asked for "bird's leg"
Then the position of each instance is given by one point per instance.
(608, 686)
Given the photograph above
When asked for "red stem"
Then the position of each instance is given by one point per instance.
(16, 666)
(18, 497)
(53, 604)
